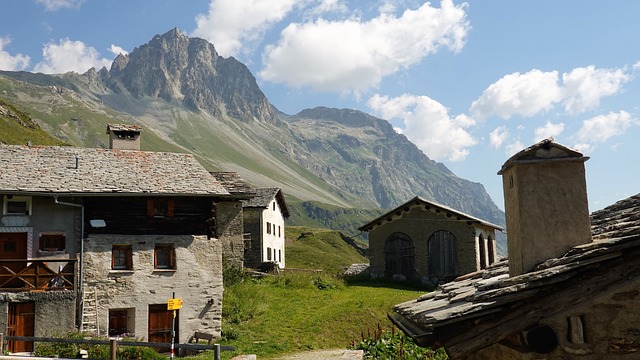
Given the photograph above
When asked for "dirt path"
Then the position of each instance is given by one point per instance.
(340, 354)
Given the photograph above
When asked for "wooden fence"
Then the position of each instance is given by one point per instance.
(114, 343)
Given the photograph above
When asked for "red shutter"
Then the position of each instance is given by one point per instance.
(150, 211)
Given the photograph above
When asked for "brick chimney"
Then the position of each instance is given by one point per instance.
(545, 199)
(124, 137)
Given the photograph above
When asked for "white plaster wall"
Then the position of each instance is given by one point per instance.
(273, 241)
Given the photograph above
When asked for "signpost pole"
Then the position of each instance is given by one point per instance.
(173, 329)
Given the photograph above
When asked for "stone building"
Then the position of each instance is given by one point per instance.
(127, 228)
(573, 290)
(235, 245)
(422, 239)
(264, 217)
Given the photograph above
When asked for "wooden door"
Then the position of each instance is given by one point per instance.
(160, 321)
(117, 322)
(13, 246)
(21, 323)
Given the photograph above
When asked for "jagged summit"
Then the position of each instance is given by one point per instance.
(176, 68)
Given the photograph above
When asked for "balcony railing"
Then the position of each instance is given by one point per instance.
(36, 275)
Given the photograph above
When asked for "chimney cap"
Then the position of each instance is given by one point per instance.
(543, 151)
(123, 127)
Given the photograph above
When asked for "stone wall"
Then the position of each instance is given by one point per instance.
(197, 280)
(252, 225)
(55, 311)
(419, 224)
(229, 229)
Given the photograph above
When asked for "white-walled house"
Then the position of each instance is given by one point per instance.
(264, 217)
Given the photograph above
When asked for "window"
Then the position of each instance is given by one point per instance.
(279, 235)
(274, 206)
(16, 205)
(160, 208)
(164, 256)
(268, 228)
(52, 242)
(268, 254)
(118, 322)
(121, 257)
(280, 256)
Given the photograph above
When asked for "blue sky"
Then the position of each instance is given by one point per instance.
(470, 83)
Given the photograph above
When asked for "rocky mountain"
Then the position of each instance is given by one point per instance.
(190, 99)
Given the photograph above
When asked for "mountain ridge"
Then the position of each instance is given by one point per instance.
(190, 99)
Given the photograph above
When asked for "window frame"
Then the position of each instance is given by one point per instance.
(48, 238)
(17, 198)
(160, 208)
(171, 256)
(127, 252)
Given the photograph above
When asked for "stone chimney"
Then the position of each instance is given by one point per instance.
(545, 199)
(124, 137)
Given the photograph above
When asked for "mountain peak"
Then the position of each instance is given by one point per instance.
(176, 68)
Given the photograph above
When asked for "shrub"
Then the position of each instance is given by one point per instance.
(71, 351)
(393, 345)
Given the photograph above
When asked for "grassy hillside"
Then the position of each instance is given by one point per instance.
(285, 314)
(327, 250)
(296, 312)
(17, 127)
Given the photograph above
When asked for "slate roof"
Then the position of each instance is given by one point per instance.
(263, 199)
(123, 127)
(234, 183)
(544, 150)
(52, 170)
(481, 308)
(419, 201)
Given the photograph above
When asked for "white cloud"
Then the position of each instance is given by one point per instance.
(428, 125)
(536, 92)
(354, 55)
(68, 55)
(53, 5)
(547, 131)
(498, 136)
(11, 62)
(602, 127)
(116, 50)
(513, 148)
(326, 6)
(231, 24)
(586, 85)
(518, 94)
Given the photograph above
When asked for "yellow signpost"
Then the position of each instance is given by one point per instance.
(174, 304)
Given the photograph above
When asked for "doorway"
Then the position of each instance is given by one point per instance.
(21, 323)
(160, 322)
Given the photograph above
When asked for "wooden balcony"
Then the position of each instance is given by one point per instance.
(36, 275)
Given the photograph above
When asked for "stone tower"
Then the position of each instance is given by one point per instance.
(545, 195)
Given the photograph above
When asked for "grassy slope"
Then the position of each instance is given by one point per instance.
(17, 127)
(327, 250)
(298, 312)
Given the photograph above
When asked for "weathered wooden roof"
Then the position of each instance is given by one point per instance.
(234, 183)
(431, 205)
(61, 170)
(263, 198)
(543, 151)
(482, 308)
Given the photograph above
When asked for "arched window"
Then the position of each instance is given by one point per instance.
(442, 255)
(481, 252)
(398, 255)
(491, 246)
